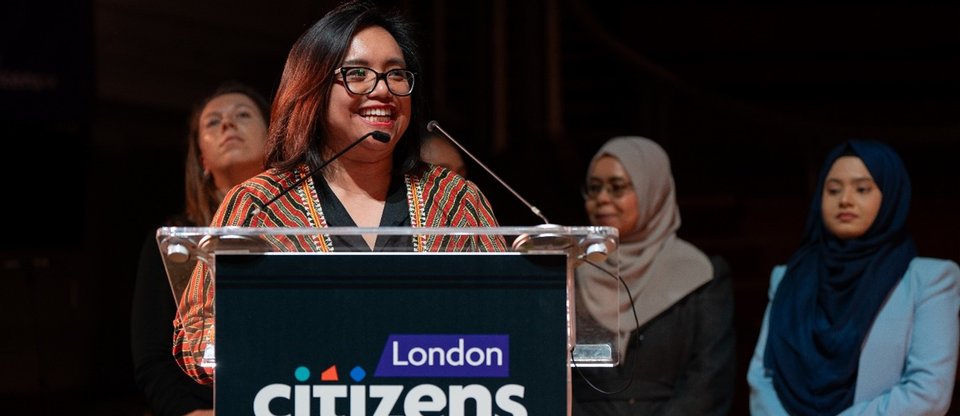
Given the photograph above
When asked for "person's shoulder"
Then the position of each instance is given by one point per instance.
(931, 263)
(273, 179)
(928, 278)
(442, 178)
(437, 173)
(722, 279)
(931, 271)
(776, 275)
(266, 185)
(779, 270)
(721, 268)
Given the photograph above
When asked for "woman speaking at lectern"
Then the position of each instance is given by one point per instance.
(347, 102)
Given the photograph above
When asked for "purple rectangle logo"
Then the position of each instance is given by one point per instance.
(407, 355)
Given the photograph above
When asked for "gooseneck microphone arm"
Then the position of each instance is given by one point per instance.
(377, 135)
(433, 127)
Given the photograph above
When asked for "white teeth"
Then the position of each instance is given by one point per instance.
(376, 112)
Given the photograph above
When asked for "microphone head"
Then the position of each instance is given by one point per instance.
(380, 136)
(431, 126)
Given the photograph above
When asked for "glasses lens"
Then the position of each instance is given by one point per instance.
(400, 81)
(592, 190)
(614, 190)
(359, 80)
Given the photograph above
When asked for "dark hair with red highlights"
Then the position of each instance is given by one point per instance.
(298, 125)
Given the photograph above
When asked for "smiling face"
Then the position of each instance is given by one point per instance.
(232, 138)
(851, 199)
(616, 203)
(350, 116)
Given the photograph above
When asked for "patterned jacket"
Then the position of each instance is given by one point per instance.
(435, 197)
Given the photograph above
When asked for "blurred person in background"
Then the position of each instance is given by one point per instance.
(857, 323)
(675, 335)
(225, 146)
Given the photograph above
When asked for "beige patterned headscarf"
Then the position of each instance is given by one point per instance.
(658, 268)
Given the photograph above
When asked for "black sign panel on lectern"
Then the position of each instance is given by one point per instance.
(391, 334)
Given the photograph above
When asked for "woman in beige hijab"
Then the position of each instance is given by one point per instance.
(675, 341)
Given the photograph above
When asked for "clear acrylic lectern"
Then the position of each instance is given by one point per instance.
(428, 316)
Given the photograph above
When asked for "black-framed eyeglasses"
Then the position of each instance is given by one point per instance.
(592, 190)
(362, 80)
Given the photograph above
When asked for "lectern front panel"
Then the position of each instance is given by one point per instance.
(391, 334)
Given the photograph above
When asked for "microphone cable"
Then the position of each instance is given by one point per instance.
(633, 307)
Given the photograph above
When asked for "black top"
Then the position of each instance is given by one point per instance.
(168, 390)
(682, 364)
(396, 213)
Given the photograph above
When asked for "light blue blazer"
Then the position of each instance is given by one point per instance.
(909, 358)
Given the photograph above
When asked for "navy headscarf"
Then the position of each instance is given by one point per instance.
(833, 290)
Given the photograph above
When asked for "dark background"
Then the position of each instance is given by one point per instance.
(746, 97)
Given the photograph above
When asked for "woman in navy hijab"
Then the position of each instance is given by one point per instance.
(857, 323)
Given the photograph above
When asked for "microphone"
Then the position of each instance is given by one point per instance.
(433, 127)
(549, 239)
(377, 135)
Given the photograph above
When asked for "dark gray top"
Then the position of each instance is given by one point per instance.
(681, 362)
